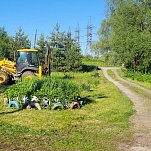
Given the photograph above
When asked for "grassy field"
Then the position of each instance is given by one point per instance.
(95, 61)
(99, 125)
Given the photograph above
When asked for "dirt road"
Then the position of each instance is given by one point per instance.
(141, 120)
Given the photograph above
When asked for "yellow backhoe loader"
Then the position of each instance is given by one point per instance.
(25, 66)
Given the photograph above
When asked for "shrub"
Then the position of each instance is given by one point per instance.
(55, 89)
(138, 76)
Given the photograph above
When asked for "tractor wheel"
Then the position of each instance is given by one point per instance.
(4, 78)
(28, 75)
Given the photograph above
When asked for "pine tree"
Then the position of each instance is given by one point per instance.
(73, 54)
(41, 46)
(57, 41)
(65, 55)
(21, 40)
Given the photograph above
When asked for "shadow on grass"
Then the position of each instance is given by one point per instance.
(88, 100)
(88, 68)
(4, 87)
(10, 112)
(100, 95)
(67, 76)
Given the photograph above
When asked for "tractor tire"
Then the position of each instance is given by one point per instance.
(4, 78)
(28, 74)
(57, 106)
(13, 103)
(74, 105)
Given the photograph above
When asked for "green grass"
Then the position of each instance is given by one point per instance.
(144, 84)
(95, 61)
(111, 74)
(99, 125)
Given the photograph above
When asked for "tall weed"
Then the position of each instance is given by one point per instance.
(138, 76)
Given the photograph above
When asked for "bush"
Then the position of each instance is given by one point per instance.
(138, 76)
(55, 89)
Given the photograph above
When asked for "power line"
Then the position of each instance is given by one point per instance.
(78, 37)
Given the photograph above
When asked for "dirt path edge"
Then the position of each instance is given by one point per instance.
(141, 120)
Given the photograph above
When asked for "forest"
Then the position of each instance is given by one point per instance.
(124, 36)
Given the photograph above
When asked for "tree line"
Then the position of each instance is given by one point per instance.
(65, 52)
(125, 34)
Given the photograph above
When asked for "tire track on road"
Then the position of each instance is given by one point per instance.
(141, 140)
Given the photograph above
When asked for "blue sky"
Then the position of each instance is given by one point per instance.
(44, 14)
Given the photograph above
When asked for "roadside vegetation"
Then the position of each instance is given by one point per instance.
(100, 124)
(141, 79)
(134, 88)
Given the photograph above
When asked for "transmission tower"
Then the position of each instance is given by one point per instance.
(89, 36)
(69, 33)
(77, 35)
(69, 37)
(35, 38)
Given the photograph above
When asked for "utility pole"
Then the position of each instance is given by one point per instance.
(35, 38)
(89, 36)
(77, 35)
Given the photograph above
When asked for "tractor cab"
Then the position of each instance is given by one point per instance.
(25, 66)
(27, 59)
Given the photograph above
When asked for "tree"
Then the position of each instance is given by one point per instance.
(41, 46)
(73, 54)
(102, 47)
(65, 55)
(6, 44)
(126, 32)
(130, 34)
(57, 41)
(21, 40)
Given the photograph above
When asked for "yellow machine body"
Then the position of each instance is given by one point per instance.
(26, 65)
